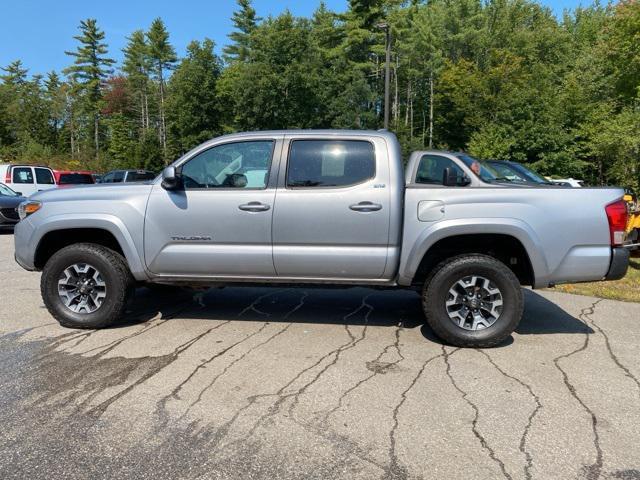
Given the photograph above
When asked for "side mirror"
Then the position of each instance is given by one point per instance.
(450, 178)
(170, 179)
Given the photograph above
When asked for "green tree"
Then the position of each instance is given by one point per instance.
(193, 112)
(91, 66)
(55, 95)
(137, 65)
(163, 58)
(245, 22)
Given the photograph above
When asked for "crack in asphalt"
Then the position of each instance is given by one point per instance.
(594, 470)
(364, 305)
(103, 350)
(532, 415)
(612, 355)
(161, 404)
(354, 387)
(256, 302)
(474, 424)
(168, 359)
(204, 363)
(114, 379)
(222, 432)
(395, 470)
(251, 350)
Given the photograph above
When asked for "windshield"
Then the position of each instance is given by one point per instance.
(6, 191)
(75, 179)
(481, 169)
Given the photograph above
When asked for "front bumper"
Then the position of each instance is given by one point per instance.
(619, 264)
(25, 245)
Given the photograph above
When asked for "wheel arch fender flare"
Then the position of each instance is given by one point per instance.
(518, 229)
(110, 223)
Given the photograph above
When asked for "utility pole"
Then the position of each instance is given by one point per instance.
(387, 73)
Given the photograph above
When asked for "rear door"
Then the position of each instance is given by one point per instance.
(332, 208)
(219, 225)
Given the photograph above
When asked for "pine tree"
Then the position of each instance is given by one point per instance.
(137, 66)
(55, 92)
(15, 74)
(90, 68)
(245, 22)
(163, 57)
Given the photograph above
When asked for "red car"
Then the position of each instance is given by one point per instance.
(68, 177)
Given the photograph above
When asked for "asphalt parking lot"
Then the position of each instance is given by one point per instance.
(314, 383)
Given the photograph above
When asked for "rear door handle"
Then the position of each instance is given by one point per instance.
(366, 207)
(254, 207)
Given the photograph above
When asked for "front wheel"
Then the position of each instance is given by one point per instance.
(86, 286)
(473, 301)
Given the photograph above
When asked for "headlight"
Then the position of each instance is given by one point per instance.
(27, 208)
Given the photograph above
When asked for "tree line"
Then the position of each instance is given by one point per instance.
(501, 79)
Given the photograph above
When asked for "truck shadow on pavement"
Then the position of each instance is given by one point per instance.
(353, 307)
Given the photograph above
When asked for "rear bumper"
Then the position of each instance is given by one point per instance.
(619, 264)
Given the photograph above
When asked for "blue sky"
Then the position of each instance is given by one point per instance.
(38, 32)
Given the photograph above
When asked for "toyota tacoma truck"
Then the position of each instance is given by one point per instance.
(324, 208)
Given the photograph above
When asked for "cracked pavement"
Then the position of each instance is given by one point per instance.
(314, 383)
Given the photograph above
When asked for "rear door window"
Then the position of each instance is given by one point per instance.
(118, 177)
(22, 175)
(330, 163)
(44, 176)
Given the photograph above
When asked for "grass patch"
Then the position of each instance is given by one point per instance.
(627, 289)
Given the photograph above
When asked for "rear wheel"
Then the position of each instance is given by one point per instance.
(86, 286)
(473, 301)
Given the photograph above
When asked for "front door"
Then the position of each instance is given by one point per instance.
(220, 223)
(331, 217)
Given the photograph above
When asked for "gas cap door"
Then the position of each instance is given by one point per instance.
(431, 210)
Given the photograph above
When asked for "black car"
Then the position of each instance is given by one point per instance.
(9, 201)
(127, 176)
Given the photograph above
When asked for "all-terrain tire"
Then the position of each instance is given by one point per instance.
(114, 271)
(435, 294)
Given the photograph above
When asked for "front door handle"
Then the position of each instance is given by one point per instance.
(254, 207)
(366, 207)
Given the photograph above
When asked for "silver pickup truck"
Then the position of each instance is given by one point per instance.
(323, 207)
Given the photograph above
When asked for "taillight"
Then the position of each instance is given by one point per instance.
(618, 216)
(7, 177)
